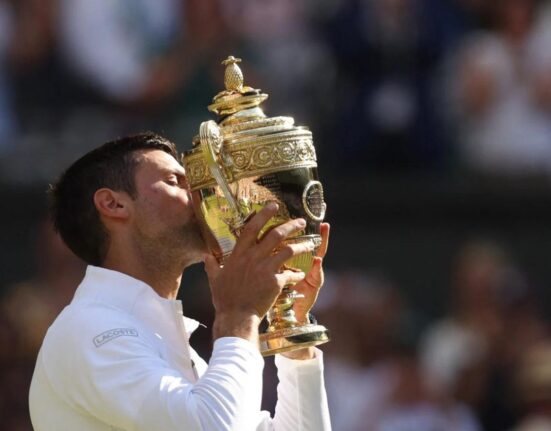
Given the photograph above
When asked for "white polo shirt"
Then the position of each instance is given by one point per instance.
(118, 358)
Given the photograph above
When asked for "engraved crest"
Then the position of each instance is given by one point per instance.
(312, 200)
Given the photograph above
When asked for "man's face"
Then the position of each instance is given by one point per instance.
(163, 219)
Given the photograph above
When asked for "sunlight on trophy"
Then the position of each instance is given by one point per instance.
(240, 163)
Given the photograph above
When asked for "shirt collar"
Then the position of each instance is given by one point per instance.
(127, 293)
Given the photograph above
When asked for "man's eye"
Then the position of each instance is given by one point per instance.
(172, 181)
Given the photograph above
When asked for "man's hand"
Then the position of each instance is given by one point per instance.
(247, 286)
(312, 283)
(310, 287)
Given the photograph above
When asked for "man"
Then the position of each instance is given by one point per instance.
(118, 357)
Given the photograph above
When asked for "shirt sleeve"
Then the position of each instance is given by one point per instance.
(301, 397)
(126, 384)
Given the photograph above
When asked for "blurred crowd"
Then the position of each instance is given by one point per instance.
(485, 364)
(391, 85)
(387, 86)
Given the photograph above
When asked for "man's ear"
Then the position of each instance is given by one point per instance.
(111, 204)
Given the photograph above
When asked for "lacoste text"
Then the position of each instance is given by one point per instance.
(106, 336)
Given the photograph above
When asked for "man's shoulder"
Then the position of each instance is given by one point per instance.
(86, 342)
(86, 318)
(84, 335)
(84, 326)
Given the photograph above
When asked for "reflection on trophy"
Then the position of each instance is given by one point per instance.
(236, 166)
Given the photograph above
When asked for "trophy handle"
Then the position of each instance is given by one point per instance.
(211, 140)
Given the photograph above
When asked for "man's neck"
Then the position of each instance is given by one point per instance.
(164, 278)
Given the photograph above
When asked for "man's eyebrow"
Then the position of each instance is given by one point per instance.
(175, 171)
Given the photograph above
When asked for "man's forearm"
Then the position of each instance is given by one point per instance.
(302, 400)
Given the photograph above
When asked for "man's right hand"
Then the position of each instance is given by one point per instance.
(245, 288)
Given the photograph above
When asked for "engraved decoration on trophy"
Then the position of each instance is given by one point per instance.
(240, 163)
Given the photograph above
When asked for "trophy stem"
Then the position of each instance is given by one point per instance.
(285, 332)
(281, 315)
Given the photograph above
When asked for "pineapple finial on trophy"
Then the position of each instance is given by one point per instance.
(237, 96)
(233, 77)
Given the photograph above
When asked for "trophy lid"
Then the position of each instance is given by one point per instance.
(244, 140)
(237, 96)
(238, 109)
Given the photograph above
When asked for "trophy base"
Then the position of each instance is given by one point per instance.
(287, 339)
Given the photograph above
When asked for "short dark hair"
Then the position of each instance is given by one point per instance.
(111, 165)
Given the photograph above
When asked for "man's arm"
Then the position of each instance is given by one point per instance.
(301, 397)
(302, 400)
(241, 297)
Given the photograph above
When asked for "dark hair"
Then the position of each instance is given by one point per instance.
(112, 165)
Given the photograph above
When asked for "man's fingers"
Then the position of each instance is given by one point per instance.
(287, 251)
(278, 234)
(314, 278)
(289, 277)
(250, 232)
(325, 229)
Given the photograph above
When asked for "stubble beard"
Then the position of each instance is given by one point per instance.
(175, 247)
(191, 243)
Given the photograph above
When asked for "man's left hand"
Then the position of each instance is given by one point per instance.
(310, 287)
(311, 284)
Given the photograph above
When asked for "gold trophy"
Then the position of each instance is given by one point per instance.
(239, 164)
